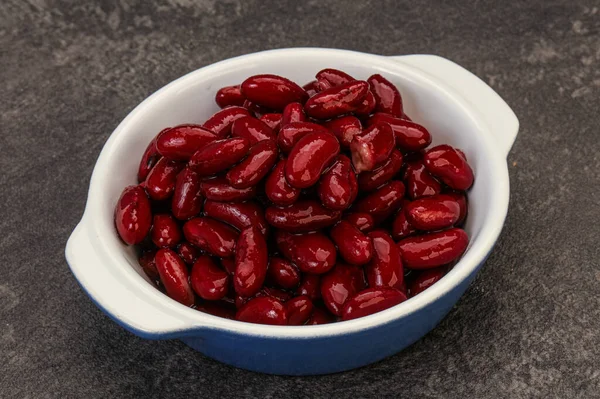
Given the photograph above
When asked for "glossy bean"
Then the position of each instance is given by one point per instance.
(255, 109)
(188, 252)
(174, 276)
(277, 189)
(187, 199)
(384, 200)
(179, 143)
(228, 264)
(148, 264)
(461, 198)
(309, 158)
(293, 112)
(445, 162)
(338, 186)
(409, 136)
(370, 301)
(401, 228)
(211, 236)
(251, 261)
(310, 285)
(329, 77)
(273, 91)
(385, 268)
(338, 285)
(419, 182)
(220, 123)
(160, 183)
(263, 310)
(273, 120)
(354, 247)
(306, 215)
(229, 96)
(298, 310)
(367, 106)
(311, 252)
(372, 148)
(219, 189)
(371, 180)
(425, 279)
(292, 132)
(387, 96)
(345, 128)
(362, 221)
(219, 156)
(311, 88)
(433, 213)
(133, 215)
(240, 215)
(208, 280)
(149, 159)
(252, 129)
(165, 231)
(261, 158)
(283, 273)
(337, 100)
(433, 249)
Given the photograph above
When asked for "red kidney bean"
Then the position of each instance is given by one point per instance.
(445, 162)
(309, 158)
(337, 100)
(387, 96)
(240, 215)
(256, 109)
(371, 180)
(188, 252)
(363, 221)
(306, 215)
(319, 316)
(385, 269)
(401, 228)
(433, 249)
(293, 112)
(367, 106)
(179, 143)
(272, 91)
(229, 96)
(298, 310)
(220, 123)
(273, 120)
(263, 310)
(311, 252)
(337, 286)
(329, 77)
(277, 189)
(419, 183)
(409, 136)
(383, 201)
(149, 159)
(292, 132)
(261, 158)
(311, 88)
(219, 155)
(370, 301)
(433, 213)
(219, 189)
(160, 183)
(165, 231)
(461, 198)
(208, 280)
(372, 147)
(228, 264)
(338, 186)
(133, 217)
(252, 129)
(187, 200)
(283, 273)
(280, 295)
(220, 309)
(310, 286)
(353, 246)
(174, 276)
(345, 128)
(148, 264)
(211, 236)
(425, 279)
(251, 261)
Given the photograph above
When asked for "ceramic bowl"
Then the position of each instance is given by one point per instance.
(457, 108)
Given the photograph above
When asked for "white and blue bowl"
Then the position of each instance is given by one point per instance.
(457, 108)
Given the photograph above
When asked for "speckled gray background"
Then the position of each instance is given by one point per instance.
(69, 72)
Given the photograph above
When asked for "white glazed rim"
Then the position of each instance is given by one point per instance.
(478, 251)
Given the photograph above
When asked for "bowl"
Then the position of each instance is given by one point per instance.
(457, 108)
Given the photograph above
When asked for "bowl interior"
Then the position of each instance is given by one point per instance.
(191, 100)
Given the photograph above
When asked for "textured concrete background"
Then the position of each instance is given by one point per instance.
(70, 72)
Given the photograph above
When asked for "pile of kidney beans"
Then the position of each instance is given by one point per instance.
(298, 205)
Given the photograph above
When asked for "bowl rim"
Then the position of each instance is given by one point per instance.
(475, 255)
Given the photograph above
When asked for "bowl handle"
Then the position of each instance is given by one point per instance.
(498, 116)
(129, 310)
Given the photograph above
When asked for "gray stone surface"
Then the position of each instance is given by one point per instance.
(528, 327)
